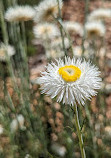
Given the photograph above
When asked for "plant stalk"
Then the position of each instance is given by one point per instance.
(61, 29)
(81, 144)
(85, 20)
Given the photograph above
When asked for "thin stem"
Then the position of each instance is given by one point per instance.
(25, 102)
(25, 53)
(92, 132)
(3, 25)
(85, 19)
(5, 39)
(61, 29)
(79, 132)
(67, 35)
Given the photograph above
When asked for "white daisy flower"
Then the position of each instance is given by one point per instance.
(1, 129)
(27, 156)
(72, 82)
(54, 53)
(16, 123)
(100, 14)
(77, 51)
(94, 29)
(6, 49)
(19, 13)
(45, 31)
(46, 10)
(21, 120)
(73, 27)
(57, 42)
(58, 149)
(108, 131)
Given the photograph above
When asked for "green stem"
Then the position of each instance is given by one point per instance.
(85, 20)
(63, 43)
(25, 53)
(3, 25)
(92, 131)
(61, 29)
(25, 101)
(79, 132)
(67, 35)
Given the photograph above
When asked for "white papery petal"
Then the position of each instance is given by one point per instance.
(95, 26)
(19, 13)
(71, 92)
(44, 7)
(100, 14)
(46, 31)
(6, 50)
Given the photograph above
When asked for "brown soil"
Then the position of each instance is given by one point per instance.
(74, 10)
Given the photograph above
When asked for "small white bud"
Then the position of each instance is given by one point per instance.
(1, 129)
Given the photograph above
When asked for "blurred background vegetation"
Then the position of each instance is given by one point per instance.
(47, 129)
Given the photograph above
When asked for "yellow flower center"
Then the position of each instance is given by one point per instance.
(70, 73)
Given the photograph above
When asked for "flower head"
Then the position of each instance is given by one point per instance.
(46, 30)
(108, 130)
(6, 49)
(54, 53)
(18, 122)
(94, 29)
(72, 81)
(1, 129)
(77, 51)
(19, 13)
(100, 14)
(46, 10)
(57, 42)
(73, 27)
(58, 149)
